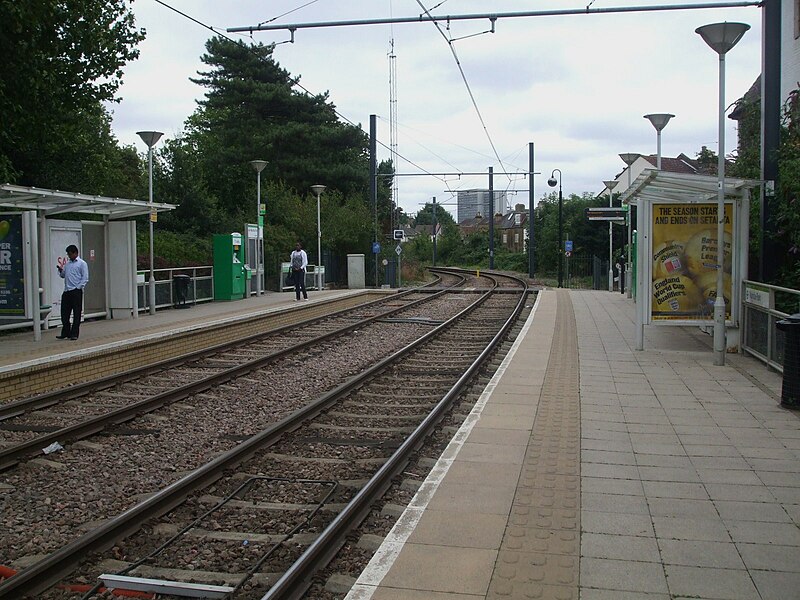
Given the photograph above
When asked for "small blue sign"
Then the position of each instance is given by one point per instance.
(568, 246)
(376, 248)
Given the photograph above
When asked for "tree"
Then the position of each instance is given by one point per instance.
(61, 60)
(252, 111)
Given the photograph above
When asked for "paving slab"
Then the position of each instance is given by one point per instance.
(645, 475)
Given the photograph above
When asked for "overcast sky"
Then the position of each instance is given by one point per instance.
(575, 86)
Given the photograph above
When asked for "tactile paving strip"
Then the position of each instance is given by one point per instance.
(540, 552)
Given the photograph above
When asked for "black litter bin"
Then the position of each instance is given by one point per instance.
(790, 391)
(180, 290)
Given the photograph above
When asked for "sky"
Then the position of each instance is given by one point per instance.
(576, 86)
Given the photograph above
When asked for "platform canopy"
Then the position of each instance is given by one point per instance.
(55, 202)
(662, 186)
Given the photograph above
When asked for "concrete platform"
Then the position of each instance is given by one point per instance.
(19, 348)
(591, 470)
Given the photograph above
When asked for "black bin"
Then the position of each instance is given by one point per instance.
(790, 391)
(180, 290)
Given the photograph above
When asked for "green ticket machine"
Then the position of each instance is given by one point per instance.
(229, 267)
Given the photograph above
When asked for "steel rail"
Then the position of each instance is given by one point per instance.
(53, 568)
(18, 407)
(296, 581)
(13, 454)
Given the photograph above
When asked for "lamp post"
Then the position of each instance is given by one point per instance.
(552, 183)
(150, 138)
(434, 231)
(629, 158)
(258, 165)
(659, 121)
(318, 189)
(721, 37)
(611, 184)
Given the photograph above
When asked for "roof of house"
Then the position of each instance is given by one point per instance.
(679, 164)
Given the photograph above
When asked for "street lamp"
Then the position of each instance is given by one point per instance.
(629, 158)
(659, 121)
(611, 184)
(552, 183)
(258, 165)
(317, 190)
(721, 37)
(150, 138)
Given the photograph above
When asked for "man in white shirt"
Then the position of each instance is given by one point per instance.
(75, 273)
(299, 262)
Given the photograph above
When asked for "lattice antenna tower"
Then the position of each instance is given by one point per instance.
(393, 131)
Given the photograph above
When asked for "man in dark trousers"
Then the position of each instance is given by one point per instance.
(75, 273)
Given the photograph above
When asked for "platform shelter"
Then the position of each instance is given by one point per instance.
(33, 236)
(676, 249)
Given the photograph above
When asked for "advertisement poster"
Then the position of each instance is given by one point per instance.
(12, 275)
(685, 261)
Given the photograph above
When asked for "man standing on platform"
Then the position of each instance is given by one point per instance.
(75, 273)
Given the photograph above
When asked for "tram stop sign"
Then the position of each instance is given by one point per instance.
(398, 249)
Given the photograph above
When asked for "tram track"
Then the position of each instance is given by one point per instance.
(374, 428)
(26, 430)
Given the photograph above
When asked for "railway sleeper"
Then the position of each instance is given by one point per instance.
(376, 417)
(247, 505)
(288, 458)
(168, 530)
(395, 430)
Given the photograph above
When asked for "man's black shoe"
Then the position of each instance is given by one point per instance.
(61, 337)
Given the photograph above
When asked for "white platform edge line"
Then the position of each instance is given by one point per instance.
(385, 556)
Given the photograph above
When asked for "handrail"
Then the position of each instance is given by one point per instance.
(760, 338)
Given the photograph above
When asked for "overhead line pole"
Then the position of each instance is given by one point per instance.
(424, 18)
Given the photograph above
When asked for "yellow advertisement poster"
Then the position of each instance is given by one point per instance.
(685, 261)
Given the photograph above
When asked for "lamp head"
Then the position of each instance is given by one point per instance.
(611, 184)
(721, 37)
(150, 137)
(552, 182)
(629, 157)
(659, 120)
(317, 189)
(258, 165)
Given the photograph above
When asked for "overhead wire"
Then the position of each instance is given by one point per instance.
(296, 82)
(451, 45)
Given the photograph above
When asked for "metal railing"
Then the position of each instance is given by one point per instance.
(201, 286)
(762, 306)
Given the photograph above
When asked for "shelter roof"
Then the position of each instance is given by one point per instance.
(662, 186)
(55, 202)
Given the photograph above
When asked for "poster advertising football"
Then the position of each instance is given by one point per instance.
(685, 258)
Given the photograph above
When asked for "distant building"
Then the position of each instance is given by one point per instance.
(476, 202)
(514, 229)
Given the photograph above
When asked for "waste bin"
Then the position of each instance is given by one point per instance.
(180, 290)
(790, 391)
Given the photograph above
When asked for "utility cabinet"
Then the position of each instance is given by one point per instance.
(230, 273)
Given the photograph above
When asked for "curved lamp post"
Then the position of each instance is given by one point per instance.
(317, 190)
(258, 165)
(611, 184)
(552, 182)
(659, 121)
(721, 37)
(150, 138)
(629, 158)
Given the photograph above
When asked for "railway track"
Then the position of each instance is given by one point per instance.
(29, 425)
(320, 469)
